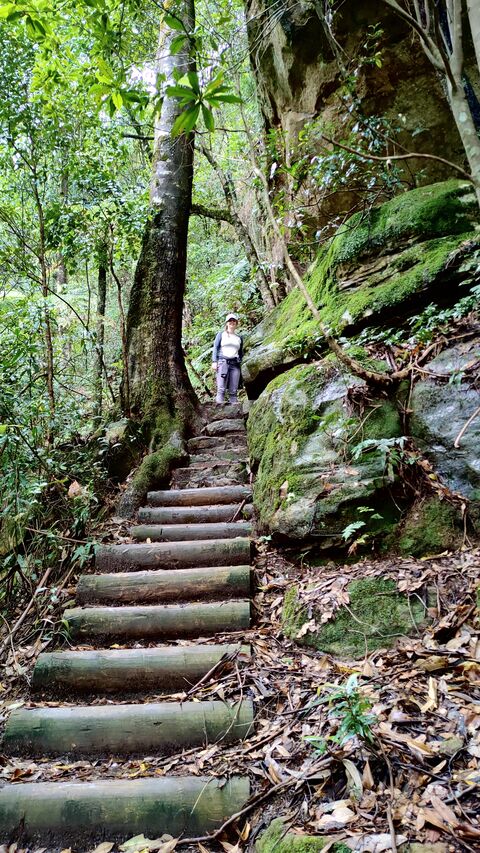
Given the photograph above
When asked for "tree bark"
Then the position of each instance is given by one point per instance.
(473, 10)
(182, 532)
(156, 369)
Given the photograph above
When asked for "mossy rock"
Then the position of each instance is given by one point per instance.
(376, 616)
(383, 265)
(277, 839)
(300, 440)
(432, 526)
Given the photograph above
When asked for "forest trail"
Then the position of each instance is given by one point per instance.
(187, 576)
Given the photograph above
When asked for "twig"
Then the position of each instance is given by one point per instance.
(255, 801)
(463, 430)
(29, 606)
(387, 158)
(227, 658)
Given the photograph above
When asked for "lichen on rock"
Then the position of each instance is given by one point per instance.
(301, 435)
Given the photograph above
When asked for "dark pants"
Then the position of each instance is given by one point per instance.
(228, 377)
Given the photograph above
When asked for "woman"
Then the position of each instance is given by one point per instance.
(226, 360)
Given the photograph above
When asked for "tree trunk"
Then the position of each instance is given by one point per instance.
(156, 368)
(101, 303)
(473, 9)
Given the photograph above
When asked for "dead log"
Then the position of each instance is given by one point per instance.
(159, 670)
(200, 497)
(158, 622)
(113, 808)
(156, 727)
(212, 582)
(183, 532)
(173, 555)
(192, 515)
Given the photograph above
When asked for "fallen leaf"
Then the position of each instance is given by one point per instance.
(337, 819)
(375, 843)
(104, 847)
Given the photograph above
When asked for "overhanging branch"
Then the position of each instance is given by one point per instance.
(218, 213)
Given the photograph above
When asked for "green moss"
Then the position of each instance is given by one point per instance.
(437, 219)
(431, 526)
(437, 210)
(277, 839)
(376, 616)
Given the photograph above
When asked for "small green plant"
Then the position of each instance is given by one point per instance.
(351, 708)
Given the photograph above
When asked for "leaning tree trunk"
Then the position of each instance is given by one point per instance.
(160, 393)
(158, 377)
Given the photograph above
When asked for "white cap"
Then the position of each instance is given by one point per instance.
(231, 317)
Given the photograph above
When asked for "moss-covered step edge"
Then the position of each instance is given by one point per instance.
(140, 729)
(113, 809)
(376, 616)
(418, 233)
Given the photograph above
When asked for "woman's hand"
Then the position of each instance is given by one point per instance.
(214, 366)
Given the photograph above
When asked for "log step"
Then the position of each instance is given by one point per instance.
(182, 532)
(236, 441)
(212, 582)
(200, 497)
(194, 514)
(158, 622)
(173, 555)
(160, 727)
(61, 811)
(162, 669)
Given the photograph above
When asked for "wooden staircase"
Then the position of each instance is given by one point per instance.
(187, 576)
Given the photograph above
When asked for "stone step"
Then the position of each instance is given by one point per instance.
(218, 412)
(226, 442)
(188, 478)
(216, 464)
(182, 532)
(194, 514)
(113, 809)
(157, 621)
(215, 457)
(152, 728)
(225, 426)
(128, 671)
(200, 497)
(212, 582)
(173, 555)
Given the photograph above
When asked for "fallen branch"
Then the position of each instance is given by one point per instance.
(390, 157)
(255, 801)
(463, 430)
(25, 613)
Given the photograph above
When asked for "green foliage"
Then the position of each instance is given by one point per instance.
(351, 708)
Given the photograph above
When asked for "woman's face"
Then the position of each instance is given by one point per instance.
(231, 326)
